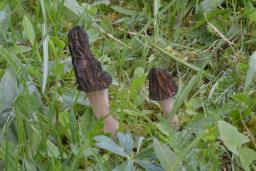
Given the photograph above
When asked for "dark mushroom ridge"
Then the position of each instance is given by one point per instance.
(161, 84)
(89, 73)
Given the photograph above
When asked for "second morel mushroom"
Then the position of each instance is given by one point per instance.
(162, 88)
(91, 78)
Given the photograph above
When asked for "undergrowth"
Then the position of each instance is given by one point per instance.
(207, 45)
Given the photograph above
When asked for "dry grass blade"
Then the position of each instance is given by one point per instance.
(219, 33)
(177, 59)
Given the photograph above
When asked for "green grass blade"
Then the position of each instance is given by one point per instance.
(183, 93)
(156, 12)
(45, 47)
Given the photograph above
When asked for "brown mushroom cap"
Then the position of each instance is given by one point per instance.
(89, 73)
(161, 84)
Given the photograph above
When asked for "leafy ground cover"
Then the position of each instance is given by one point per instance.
(207, 45)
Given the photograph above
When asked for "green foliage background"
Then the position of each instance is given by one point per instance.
(207, 45)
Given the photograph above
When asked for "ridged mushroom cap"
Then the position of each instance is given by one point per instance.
(161, 84)
(89, 73)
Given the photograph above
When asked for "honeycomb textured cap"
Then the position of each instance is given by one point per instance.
(161, 84)
(89, 74)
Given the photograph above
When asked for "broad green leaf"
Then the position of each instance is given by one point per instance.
(192, 105)
(86, 123)
(13, 61)
(52, 48)
(52, 150)
(139, 143)
(146, 153)
(90, 9)
(232, 139)
(130, 165)
(67, 97)
(209, 5)
(4, 17)
(164, 128)
(73, 6)
(120, 167)
(149, 166)
(247, 156)
(36, 138)
(164, 154)
(27, 104)
(251, 70)
(100, 163)
(108, 144)
(29, 165)
(137, 83)
(124, 11)
(138, 72)
(74, 149)
(186, 150)
(28, 29)
(8, 90)
(90, 152)
(64, 118)
(59, 43)
(126, 141)
(105, 2)
(33, 89)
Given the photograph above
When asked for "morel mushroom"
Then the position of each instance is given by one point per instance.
(91, 78)
(162, 88)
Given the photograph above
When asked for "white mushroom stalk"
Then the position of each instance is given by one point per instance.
(100, 105)
(162, 88)
(167, 106)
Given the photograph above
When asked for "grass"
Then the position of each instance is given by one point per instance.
(208, 46)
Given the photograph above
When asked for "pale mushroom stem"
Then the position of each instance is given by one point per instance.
(100, 105)
(167, 106)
